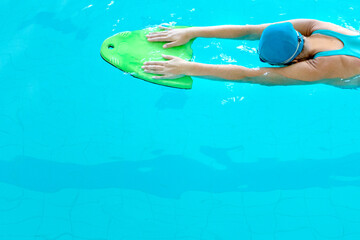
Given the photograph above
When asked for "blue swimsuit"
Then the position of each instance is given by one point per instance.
(351, 44)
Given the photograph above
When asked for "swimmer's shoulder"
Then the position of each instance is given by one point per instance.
(337, 66)
(321, 25)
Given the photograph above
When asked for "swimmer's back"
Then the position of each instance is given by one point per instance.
(347, 66)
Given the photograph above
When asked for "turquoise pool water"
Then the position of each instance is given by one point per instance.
(87, 152)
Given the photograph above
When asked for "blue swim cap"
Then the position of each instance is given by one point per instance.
(280, 44)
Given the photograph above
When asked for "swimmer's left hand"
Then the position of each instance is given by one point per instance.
(172, 69)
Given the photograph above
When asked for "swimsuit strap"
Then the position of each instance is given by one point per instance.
(329, 33)
(351, 44)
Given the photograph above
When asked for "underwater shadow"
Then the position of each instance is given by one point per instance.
(171, 175)
(49, 20)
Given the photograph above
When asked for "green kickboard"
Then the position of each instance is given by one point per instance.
(129, 50)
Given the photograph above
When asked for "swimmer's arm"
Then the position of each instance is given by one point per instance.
(249, 32)
(306, 72)
(304, 26)
(241, 32)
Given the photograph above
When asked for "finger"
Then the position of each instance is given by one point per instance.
(160, 77)
(168, 57)
(165, 28)
(161, 63)
(158, 39)
(156, 34)
(153, 71)
(153, 67)
(167, 77)
(171, 44)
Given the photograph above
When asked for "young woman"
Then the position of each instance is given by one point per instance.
(306, 50)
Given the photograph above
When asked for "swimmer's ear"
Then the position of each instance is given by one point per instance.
(299, 60)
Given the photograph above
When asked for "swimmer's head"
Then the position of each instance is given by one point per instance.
(280, 44)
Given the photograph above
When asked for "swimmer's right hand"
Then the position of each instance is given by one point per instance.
(174, 37)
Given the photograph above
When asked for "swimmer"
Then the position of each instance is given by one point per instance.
(304, 51)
